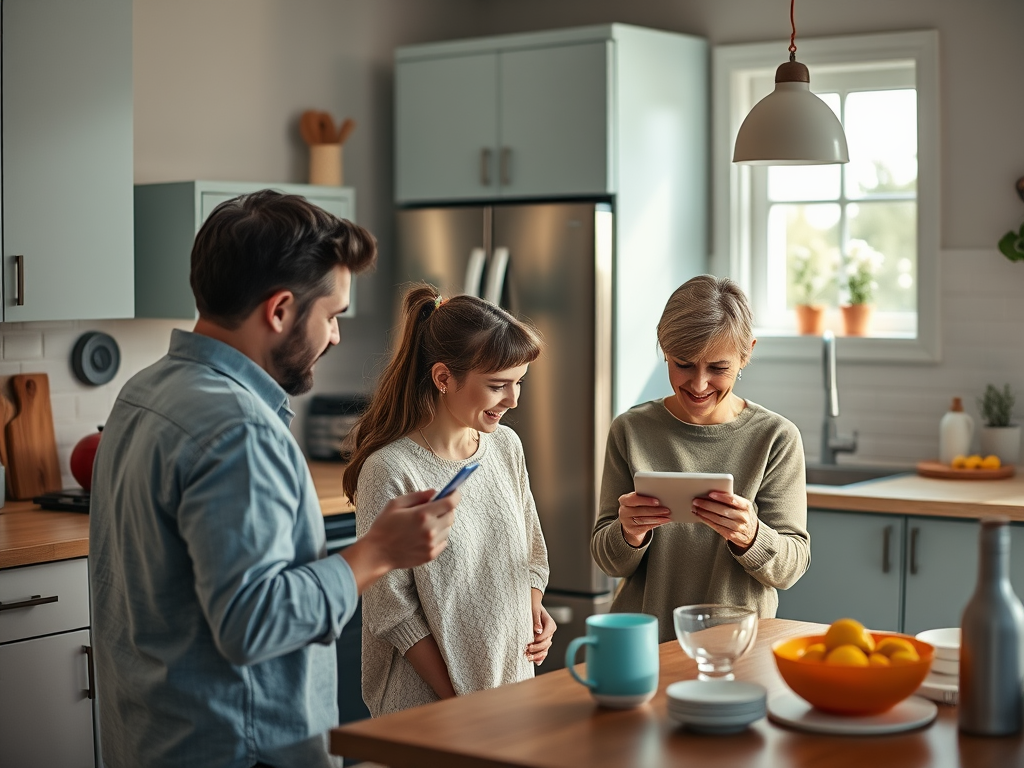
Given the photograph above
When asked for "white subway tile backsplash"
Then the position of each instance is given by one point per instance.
(27, 345)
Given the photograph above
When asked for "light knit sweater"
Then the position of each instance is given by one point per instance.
(475, 597)
(689, 563)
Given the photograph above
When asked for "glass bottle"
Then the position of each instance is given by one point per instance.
(991, 695)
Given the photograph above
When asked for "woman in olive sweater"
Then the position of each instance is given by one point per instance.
(742, 546)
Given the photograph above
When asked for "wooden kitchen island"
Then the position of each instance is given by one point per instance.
(551, 722)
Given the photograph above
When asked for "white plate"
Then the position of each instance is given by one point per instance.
(939, 688)
(757, 706)
(946, 667)
(789, 709)
(946, 642)
(716, 725)
(716, 693)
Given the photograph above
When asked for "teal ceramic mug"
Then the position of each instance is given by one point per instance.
(622, 658)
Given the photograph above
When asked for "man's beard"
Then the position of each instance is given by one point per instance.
(293, 362)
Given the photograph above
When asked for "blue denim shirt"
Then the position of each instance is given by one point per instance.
(214, 606)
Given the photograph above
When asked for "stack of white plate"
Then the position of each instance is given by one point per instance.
(716, 706)
(943, 681)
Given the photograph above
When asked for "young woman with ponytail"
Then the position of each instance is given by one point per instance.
(472, 619)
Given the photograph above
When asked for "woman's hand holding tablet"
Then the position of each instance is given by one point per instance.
(677, 490)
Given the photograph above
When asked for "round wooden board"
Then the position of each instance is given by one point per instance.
(946, 472)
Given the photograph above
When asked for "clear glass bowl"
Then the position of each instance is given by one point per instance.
(715, 636)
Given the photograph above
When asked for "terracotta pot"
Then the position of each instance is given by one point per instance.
(857, 319)
(810, 319)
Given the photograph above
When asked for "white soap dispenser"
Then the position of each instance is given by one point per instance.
(955, 432)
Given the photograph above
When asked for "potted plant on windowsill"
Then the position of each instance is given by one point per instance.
(807, 284)
(862, 263)
(998, 435)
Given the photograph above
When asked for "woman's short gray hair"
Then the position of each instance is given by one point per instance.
(706, 314)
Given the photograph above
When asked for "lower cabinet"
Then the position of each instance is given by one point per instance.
(46, 679)
(899, 573)
(856, 571)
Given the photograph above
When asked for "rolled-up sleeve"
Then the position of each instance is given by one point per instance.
(263, 594)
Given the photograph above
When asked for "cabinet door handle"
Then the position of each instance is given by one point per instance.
(91, 692)
(886, 539)
(19, 278)
(506, 166)
(913, 550)
(485, 167)
(36, 600)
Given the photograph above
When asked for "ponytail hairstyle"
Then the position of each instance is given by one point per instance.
(466, 333)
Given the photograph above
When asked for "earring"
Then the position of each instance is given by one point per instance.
(444, 390)
(739, 375)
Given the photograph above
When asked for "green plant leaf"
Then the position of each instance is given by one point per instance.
(1011, 245)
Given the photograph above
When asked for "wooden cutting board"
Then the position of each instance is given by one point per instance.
(31, 441)
(946, 472)
(7, 412)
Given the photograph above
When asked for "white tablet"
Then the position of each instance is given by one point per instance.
(677, 490)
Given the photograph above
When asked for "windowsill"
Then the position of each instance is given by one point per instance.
(869, 349)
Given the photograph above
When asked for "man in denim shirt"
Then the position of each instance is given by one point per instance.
(215, 606)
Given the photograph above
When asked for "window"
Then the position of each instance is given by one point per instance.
(774, 224)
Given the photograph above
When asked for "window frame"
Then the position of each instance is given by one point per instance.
(734, 207)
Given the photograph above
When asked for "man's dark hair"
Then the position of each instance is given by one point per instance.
(254, 245)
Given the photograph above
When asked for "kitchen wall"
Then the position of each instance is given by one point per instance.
(894, 408)
(220, 84)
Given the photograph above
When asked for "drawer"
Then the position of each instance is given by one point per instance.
(63, 584)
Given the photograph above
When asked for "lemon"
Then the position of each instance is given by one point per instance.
(847, 656)
(991, 462)
(972, 462)
(887, 646)
(814, 652)
(849, 632)
(904, 657)
(878, 660)
(959, 462)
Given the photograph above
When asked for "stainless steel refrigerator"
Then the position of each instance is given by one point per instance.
(549, 263)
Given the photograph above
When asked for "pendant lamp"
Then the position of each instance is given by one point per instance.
(791, 126)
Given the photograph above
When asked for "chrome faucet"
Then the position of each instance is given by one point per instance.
(831, 442)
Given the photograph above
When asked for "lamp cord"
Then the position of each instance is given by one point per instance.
(792, 37)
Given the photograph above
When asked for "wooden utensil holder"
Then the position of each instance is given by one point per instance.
(325, 164)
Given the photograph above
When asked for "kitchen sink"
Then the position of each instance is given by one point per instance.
(839, 474)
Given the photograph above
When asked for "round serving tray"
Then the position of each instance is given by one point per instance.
(946, 472)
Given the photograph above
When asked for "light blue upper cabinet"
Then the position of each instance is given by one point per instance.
(67, 159)
(515, 116)
(555, 121)
(167, 218)
(447, 127)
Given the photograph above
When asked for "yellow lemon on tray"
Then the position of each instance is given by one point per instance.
(959, 462)
(849, 632)
(991, 462)
(972, 462)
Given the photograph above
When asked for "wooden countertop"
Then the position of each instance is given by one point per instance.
(914, 495)
(30, 535)
(551, 722)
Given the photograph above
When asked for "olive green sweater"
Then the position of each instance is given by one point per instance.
(689, 563)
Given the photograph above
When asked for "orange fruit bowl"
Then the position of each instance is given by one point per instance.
(846, 690)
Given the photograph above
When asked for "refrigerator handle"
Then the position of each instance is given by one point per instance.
(474, 271)
(495, 282)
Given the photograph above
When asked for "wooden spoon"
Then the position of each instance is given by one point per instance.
(347, 126)
(326, 128)
(309, 127)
